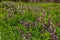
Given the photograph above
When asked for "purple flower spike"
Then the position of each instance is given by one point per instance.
(53, 31)
(28, 35)
(56, 37)
(58, 24)
(22, 33)
(26, 24)
(52, 36)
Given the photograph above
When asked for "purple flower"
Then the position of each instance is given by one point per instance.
(52, 36)
(44, 24)
(28, 35)
(58, 24)
(21, 33)
(56, 37)
(34, 24)
(26, 24)
(53, 31)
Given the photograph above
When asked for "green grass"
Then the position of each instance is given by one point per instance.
(11, 15)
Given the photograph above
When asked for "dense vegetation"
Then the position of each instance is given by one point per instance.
(28, 21)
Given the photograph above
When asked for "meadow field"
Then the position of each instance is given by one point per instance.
(29, 21)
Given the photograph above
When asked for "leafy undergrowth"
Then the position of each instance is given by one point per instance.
(28, 21)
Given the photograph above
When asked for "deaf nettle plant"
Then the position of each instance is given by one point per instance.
(29, 22)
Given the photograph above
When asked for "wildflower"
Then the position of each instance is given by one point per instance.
(43, 12)
(56, 36)
(49, 22)
(58, 24)
(52, 36)
(44, 23)
(28, 35)
(36, 10)
(26, 24)
(22, 33)
(34, 24)
(10, 12)
(42, 31)
(53, 30)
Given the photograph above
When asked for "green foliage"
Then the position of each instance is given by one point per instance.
(11, 27)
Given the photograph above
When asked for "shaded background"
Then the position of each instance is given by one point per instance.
(56, 1)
